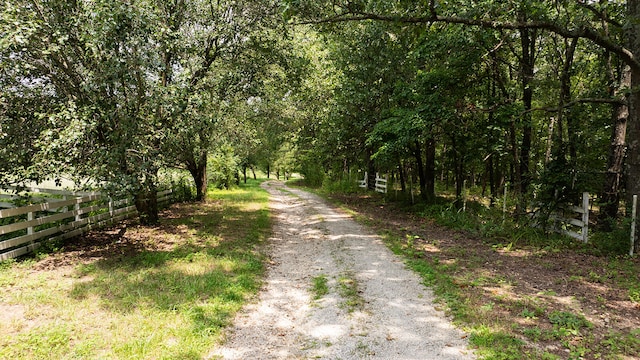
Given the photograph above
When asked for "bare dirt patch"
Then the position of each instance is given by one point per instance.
(124, 239)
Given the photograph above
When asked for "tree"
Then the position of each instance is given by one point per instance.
(609, 26)
(95, 59)
(242, 45)
(127, 80)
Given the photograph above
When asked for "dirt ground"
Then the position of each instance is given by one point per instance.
(513, 279)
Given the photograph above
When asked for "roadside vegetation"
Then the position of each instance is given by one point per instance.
(136, 292)
(520, 293)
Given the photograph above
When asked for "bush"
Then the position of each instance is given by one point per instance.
(180, 181)
(313, 174)
(616, 242)
(223, 168)
(342, 186)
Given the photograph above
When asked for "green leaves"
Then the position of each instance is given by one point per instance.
(129, 87)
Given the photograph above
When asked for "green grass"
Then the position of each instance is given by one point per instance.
(168, 299)
(319, 287)
(348, 290)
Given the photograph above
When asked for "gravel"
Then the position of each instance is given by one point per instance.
(388, 315)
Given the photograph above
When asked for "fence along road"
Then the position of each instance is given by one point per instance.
(22, 229)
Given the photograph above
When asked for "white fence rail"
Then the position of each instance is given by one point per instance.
(23, 228)
(381, 184)
(364, 183)
(566, 225)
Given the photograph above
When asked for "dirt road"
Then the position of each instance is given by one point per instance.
(374, 309)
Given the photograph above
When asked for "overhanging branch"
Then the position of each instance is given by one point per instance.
(579, 32)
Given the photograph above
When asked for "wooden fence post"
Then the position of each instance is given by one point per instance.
(585, 217)
(633, 224)
(29, 218)
(76, 207)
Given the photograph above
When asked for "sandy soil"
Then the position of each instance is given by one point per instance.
(389, 314)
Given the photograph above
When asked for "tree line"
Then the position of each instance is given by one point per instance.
(540, 96)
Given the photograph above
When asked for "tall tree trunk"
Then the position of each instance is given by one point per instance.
(610, 196)
(458, 165)
(633, 121)
(401, 173)
(430, 170)
(514, 174)
(198, 171)
(550, 141)
(417, 154)
(492, 181)
(528, 42)
(611, 187)
(146, 202)
(459, 168)
(565, 97)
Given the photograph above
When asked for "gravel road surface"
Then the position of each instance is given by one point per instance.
(375, 308)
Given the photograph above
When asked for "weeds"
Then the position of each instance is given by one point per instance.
(348, 289)
(566, 323)
(319, 287)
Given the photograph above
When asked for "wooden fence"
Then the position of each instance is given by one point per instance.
(379, 186)
(58, 215)
(364, 183)
(564, 222)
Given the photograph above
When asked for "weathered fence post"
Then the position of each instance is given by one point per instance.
(29, 218)
(380, 184)
(585, 217)
(364, 183)
(633, 224)
(76, 207)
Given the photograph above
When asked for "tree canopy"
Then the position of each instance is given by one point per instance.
(534, 96)
(129, 87)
